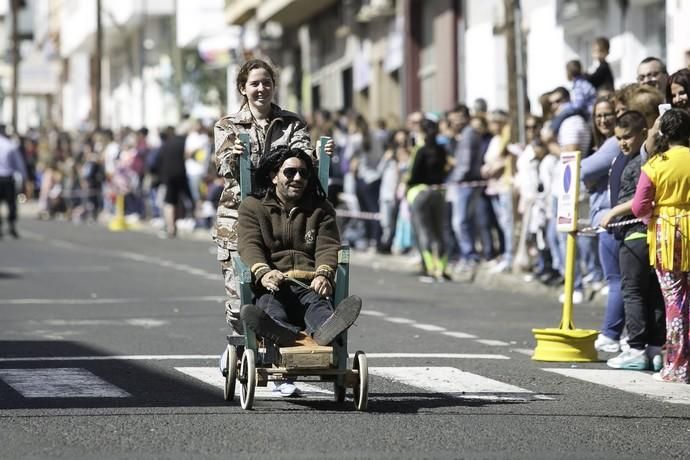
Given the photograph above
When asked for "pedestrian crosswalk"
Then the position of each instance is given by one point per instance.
(213, 377)
(448, 381)
(60, 382)
(636, 382)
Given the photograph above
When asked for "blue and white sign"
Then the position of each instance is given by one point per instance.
(569, 193)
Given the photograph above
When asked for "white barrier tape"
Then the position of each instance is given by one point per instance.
(76, 194)
(358, 214)
(592, 231)
(472, 183)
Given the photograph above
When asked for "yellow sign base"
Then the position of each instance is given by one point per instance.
(565, 345)
(118, 224)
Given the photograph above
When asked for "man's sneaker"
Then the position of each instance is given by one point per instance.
(606, 345)
(342, 318)
(655, 359)
(287, 389)
(623, 342)
(261, 323)
(578, 297)
(630, 359)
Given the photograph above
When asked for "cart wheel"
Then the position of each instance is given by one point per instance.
(231, 374)
(361, 389)
(338, 392)
(247, 379)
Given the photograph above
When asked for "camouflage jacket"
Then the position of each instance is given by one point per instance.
(284, 128)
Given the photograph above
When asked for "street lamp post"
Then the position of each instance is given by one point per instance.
(97, 67)
(15, 5)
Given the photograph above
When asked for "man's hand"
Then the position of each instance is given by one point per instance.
(321, 286)
(272, 280)
(608, 217)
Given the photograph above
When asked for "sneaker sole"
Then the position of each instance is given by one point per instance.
(635, 367)
(342, 318)
(608, 349)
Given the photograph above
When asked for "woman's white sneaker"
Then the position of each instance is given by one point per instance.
(630, 359)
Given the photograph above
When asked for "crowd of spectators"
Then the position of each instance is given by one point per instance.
(165, 177)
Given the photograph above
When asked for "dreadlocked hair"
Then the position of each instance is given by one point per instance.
(270, 164)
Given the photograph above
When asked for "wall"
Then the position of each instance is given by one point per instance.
(485, 59)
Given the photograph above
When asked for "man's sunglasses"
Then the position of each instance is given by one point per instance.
(290, 173)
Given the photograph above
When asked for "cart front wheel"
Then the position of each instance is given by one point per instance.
(231, 373)
(247, 379)
(360, 389)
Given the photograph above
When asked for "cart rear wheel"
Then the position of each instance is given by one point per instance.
(247, 379)
(231, 374)
(361, 389)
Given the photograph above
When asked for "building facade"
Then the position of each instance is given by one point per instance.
(383, 58)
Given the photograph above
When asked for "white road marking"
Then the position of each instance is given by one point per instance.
(524, 351)
(109, 358)
(434, 355)
(212, 376)
(147, 323)
(60, 383)
(372, 313)
(59, 269)
(455, 383)
(89, 301)
(459, 335)
(216, 356)
(128, 256)
(493, 343)
(107, 301)
(632, 382)
(397, 320)
(429, 327)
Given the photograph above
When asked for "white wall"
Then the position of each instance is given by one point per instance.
(485, 58)
(199, 18)
(77, 25)
(545, 50)
(549, 44)
(76, 92)
(678, 33)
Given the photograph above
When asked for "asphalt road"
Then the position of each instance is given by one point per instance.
(108, 345)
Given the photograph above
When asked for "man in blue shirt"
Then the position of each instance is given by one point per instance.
(11, 163)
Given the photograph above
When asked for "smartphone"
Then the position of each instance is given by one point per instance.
(663, 108)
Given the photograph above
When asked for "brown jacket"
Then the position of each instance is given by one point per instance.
(285, 128)
(301, 242)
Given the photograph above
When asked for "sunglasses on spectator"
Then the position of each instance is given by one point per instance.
(290, 173)
(530, 126)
